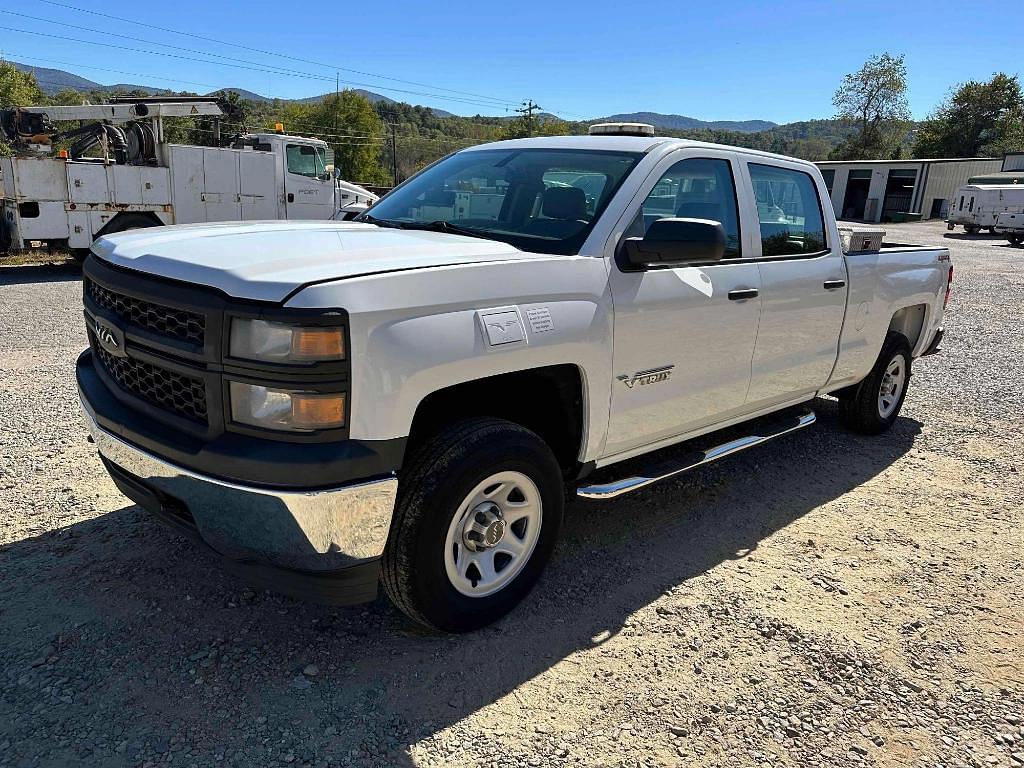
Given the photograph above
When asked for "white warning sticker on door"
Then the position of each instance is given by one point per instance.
(540, 319)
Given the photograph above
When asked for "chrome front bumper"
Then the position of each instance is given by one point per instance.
(315, 531)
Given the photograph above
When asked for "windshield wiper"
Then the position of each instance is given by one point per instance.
(445, 226)
(368, 219)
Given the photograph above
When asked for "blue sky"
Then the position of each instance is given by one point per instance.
(715, 61)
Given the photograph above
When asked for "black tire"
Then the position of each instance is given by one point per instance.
(79, 254)
(859, 407)
(1015, 239)
(971, 229)
(5, 235)
(991, 230)
(440, 476)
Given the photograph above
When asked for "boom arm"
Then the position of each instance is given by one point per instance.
(123, 113)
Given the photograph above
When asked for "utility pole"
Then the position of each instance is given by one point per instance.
(337, 100)
(527, 111)
(394, 154)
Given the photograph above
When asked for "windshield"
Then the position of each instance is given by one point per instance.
(542, 200)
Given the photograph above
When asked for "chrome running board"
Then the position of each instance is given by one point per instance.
(675, 467)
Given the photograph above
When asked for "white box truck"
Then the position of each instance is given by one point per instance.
(140, 180)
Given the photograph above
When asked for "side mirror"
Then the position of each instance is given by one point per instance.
(675, 242)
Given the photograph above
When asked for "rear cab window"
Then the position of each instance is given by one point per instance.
(788, 211)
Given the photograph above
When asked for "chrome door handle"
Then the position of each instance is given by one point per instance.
(833, 284)
(743, 293)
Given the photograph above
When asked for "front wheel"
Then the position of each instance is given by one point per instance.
(476, 520)
(873, 406)
(1015, 239)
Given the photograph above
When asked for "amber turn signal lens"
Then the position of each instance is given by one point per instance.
(318, 411)
(318, 344)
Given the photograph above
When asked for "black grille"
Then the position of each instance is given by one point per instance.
(174, 392)
(176, 323)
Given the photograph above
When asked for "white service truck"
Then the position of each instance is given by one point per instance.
(139, 180)
(404, 399)
(978, 206)
(1011, 226)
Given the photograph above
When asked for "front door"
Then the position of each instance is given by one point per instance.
(683, 337)
(308, 183)
(803, 287)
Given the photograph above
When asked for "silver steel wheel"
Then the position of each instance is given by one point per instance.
(493, 533)
(893, 381)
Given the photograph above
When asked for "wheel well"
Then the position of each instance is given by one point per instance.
(548, 401)
(131, 219)
(910, 322)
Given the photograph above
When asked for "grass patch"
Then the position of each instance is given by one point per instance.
(35, 257)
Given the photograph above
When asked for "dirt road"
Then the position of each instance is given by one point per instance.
(827, 600)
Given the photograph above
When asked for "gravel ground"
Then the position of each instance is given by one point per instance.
(827, 600)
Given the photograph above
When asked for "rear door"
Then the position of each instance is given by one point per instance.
(684, 336)
(257, 186)
(220, 193)
(803, 285)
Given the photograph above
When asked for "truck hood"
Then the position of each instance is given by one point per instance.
(268, 260)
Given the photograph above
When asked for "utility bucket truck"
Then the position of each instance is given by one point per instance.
(120, 173)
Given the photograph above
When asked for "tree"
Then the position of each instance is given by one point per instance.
(975, 120)
(17, 89)
(873, 101)
(349, 122)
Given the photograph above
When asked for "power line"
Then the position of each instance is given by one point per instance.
(303, 124)
(251, 67)
(502, 101)
(22, 58)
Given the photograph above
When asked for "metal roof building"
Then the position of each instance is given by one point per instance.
(891, 190)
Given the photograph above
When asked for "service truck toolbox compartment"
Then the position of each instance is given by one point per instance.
(858, 239)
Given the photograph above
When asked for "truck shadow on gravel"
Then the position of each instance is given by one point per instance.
(160, 650)
(20, 274)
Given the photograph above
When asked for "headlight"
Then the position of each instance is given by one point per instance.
(285, 409)
(285, 343)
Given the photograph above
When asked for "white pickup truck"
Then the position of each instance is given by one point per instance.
(404, 399)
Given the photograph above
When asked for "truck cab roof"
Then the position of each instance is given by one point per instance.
(642, 144)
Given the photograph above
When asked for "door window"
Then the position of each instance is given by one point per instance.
(788, 210)
(305, 160)
(697, 188)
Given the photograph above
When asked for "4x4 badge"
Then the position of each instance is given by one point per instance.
(643, 378)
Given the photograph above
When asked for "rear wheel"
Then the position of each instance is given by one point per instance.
(5, 237)
(1015, 239)
(128, 221)
(873, 406)
(476, 520)
(123, 223)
